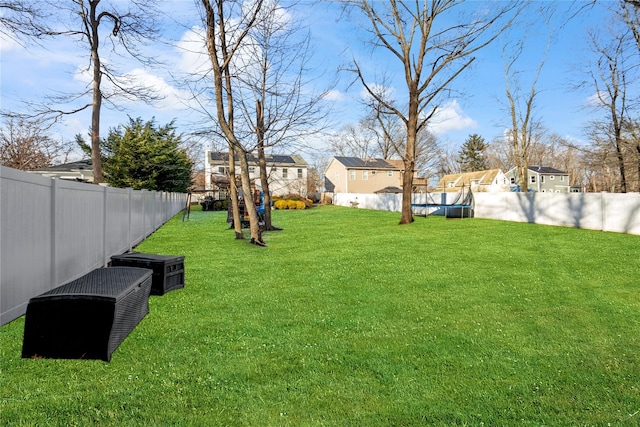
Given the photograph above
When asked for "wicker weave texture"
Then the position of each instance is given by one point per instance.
(89, 317)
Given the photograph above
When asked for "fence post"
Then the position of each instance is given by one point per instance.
(129, 238)
(104, 226)
(52, 256)
(153, 211)
(603, 206)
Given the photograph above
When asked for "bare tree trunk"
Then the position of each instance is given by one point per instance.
(247, 190)
(96, 158)
(233, 194)
(409, 156)
(262, 166)
(221, 54)
(621, 167)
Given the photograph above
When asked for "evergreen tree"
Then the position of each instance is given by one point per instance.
(471, 157)
(141, 155)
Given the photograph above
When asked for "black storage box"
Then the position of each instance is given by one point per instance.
(89, 317)
(168, 270)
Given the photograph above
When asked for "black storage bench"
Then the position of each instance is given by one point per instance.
(168, 270)
(89, 317)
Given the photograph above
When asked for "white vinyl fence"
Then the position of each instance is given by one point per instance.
(595, 211)
(53, 231)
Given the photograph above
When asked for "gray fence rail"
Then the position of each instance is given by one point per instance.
(595, 211)
(53, 231)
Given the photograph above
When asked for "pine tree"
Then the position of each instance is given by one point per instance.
(143, 156)
(471, 157)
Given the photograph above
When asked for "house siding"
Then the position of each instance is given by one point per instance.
(344, 179)
(545, 182)
(281, 183)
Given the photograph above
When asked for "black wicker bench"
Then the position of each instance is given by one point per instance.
(89, 317)
(168, 270)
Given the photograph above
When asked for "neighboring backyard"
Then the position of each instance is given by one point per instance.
(347, 318)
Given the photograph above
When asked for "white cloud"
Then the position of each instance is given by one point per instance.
(192, 47)
(172, 97)
(387, 92)
(597, 99)
(8, 43)
(334, 95)
(450, 117)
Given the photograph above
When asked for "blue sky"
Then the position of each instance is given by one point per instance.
(29, 74)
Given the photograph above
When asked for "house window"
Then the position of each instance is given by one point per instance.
(533, 179)
(389, 173)
(450, 184)
(352, 175)
(365, 175)
(373, 172)
(252, 169)
(542, 179)
(221, 169)
(299, 173)
(285, 172)
(561, 177)
(552, 177)
(475, 182)
(513, 180)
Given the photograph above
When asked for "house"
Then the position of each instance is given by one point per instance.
(492, 180)
(357, 175)
(287, 173)
(543, 179)
(81, 170)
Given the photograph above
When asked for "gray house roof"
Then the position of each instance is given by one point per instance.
(81, 170)
(546, 170)
(279, 159)
(358, 163)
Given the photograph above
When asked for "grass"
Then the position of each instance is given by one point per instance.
(347, 318)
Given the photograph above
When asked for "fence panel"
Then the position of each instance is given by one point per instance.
(79, 228)
(54, 231)
(25, 213)
(595, 211)
(117, 229)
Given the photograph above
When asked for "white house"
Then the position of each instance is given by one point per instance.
(287, 173)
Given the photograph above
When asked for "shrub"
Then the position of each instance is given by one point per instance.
(292, 204)
(301, 205)
(281, 204)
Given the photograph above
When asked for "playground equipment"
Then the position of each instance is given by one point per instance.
(462, 205)
(258, 200)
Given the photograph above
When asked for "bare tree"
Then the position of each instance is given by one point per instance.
(499, 154)
(355, 140)
(26, 146)
(611, 77)
(275, 76)
(227, 25)
(130, 27)
(432, 52)
(21, 20)
(525, 130)
(630, 14)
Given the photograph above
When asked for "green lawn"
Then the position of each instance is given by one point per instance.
(347, 318)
